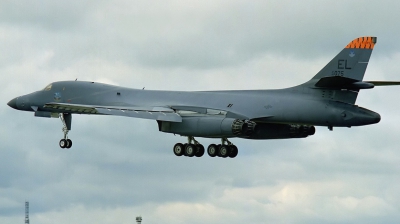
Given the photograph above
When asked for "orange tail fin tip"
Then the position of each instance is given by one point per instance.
(363, 43)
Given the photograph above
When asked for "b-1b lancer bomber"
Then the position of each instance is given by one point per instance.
(328, 99)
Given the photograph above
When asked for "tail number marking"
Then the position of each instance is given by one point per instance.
(342, 64)
(337, 73)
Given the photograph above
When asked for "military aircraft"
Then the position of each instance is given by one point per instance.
(328, 99)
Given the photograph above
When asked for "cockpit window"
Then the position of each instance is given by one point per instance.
(48, 87)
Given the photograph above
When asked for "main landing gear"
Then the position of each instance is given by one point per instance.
(226, 149)
(194, 148)
(66, 119)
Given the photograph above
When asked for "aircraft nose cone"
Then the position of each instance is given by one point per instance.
(374, 117)
(13, 103)
(377, 118)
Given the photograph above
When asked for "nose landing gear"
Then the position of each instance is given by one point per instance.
(65, 143)
(66, 119)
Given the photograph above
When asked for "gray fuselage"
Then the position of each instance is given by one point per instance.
(296, 105)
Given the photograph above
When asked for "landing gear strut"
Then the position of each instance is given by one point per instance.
(66, 119)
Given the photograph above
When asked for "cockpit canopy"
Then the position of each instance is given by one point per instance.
(48, 87)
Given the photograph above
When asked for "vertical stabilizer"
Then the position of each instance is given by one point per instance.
(342, 76)
(352, 61)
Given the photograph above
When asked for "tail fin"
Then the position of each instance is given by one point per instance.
(351, 62)
(341, 78)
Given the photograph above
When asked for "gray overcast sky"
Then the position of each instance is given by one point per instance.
(119, 167)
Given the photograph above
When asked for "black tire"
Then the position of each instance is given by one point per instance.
(69, 143)
(212, 150)
(234, 151)
(63, 143)
(224, 151)
(178, 149)
(190, 150)
(200, 151)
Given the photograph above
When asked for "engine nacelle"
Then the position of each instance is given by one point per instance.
(281, 131)
(217, 127)
(301, 131)
(209, 126)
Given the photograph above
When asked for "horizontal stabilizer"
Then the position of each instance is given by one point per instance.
(338, 82)
(384, 83)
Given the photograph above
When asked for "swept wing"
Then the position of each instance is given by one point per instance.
(153, 113)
